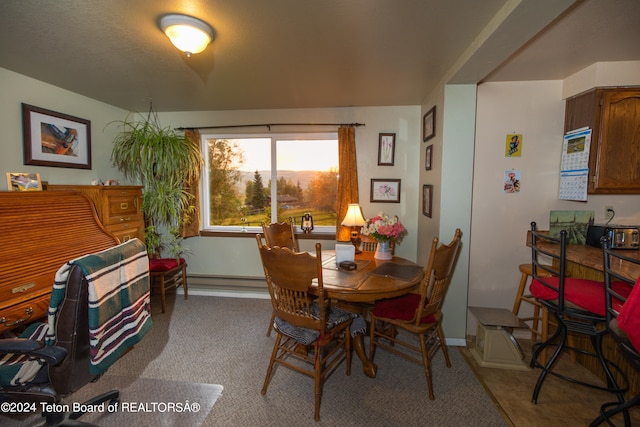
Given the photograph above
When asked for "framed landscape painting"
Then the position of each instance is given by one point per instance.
(55, 139)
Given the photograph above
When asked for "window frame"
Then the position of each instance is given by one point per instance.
(274, 137)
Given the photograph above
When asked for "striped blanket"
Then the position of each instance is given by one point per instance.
(119, 300)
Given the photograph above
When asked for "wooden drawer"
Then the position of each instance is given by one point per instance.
(18, 289)
(25, 312)
(120, 207)
(115, 206)
(127, 230)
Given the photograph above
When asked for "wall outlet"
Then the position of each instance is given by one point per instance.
(608, 212)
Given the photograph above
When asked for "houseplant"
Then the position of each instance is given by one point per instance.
(161, 160)
(384, 230)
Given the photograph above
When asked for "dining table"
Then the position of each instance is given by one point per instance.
(370, 281)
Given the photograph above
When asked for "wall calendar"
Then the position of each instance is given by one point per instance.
(574, 166)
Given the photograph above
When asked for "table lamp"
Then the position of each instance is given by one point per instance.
(354, 219)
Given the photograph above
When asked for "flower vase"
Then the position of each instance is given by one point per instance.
(383, 251)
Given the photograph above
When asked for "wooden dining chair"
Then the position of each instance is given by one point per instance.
(281, 234)
(578, 307)
(370, 245)
(623, 322)
(418, 313)
(313, 337)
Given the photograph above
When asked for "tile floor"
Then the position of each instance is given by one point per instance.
(559, 403)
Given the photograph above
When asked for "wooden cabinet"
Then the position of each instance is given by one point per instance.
(118, 207)
(613, 114)
(41, 231)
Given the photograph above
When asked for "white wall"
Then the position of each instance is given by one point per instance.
(17, 89)
(499, 220)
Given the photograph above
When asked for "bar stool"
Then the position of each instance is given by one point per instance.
(540, 320)
(167, 273)
(540, 314)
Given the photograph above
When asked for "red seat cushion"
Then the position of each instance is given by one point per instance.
(629, 317)
(401, 308)
(163, 264)
(587, 294)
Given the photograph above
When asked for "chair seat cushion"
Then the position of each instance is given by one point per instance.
(163, 264)
(335, 317)
(584, 293)
(629, 317)
(401, 308)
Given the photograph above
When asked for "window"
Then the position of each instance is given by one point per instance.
(249, 179)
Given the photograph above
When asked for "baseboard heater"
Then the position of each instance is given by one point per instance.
(234, 286)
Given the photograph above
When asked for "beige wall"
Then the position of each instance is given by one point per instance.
(238, 257)
(17, 89)
(499, 220)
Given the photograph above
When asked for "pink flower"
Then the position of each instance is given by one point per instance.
(383, 228)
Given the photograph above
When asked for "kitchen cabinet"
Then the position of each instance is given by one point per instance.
(613, 114)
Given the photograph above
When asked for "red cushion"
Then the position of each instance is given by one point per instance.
(401, 308)
(629, 317)
(587, 294)
(163, 264)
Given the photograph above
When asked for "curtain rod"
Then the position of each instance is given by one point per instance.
(268, 125)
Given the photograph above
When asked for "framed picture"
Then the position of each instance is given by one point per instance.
(55, 139)
(386, 149)
(427, 199)
(428, 155)
(385, 190)
(18, 181)
(429, 124)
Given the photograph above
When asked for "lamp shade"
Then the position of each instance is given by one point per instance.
(188, 34)
(353, 217)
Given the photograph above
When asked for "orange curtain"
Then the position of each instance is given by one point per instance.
(191, 226)
(347, 179)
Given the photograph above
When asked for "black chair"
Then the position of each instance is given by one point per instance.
(578, 305)
(60, 368)
(616, 262)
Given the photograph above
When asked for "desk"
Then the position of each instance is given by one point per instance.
(366, 285)
(586, 262)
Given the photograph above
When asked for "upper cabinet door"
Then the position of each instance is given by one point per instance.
(618, 152)
(613, 114)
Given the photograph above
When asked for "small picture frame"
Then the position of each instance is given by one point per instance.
(428, 156)
(55, 139)
(427, 200)
(429, 124)
(386, 149)
(385, 191)
(20, 181)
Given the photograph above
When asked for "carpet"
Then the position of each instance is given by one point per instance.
(143, 402)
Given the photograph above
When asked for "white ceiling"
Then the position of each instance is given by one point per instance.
(307, 53)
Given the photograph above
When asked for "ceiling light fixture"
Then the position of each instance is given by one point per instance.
(188, 34)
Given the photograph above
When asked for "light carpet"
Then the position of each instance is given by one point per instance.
(214, 340)
(143, 402)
